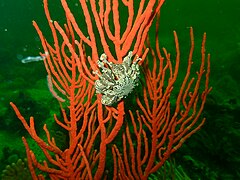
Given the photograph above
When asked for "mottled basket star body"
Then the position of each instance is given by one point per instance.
(116, 81)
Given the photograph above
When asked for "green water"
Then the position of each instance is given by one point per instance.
(212, 153)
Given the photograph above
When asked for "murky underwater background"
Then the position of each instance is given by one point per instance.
(212, 153)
